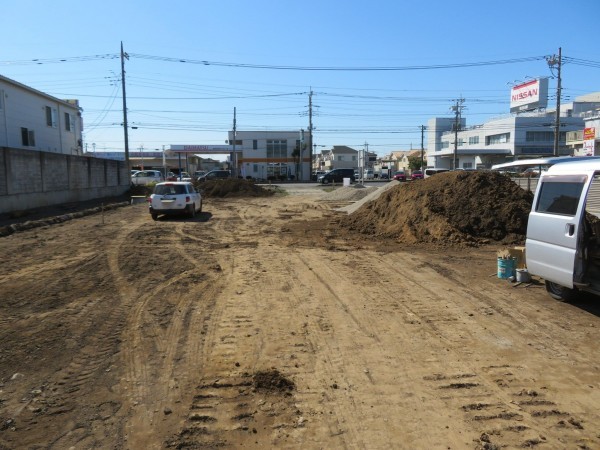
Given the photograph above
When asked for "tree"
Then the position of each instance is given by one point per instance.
(297, 156)
(414, 162)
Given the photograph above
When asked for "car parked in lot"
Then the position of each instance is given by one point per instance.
(215, 175)
(431, 171)
(399, 175)
(337, 176)
(184, 176)
(315, 175)
(174, 197)
(416, 175)
(145, 177)
(198, 174)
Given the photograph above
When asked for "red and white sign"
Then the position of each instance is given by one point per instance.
(589, 147)
(589, 133)
(530, 95)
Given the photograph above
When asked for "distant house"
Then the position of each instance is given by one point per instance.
(399, 160)
(33, 120)
(339, 157)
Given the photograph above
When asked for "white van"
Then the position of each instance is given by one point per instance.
(369, 175)
(432, 171)
(563, 231)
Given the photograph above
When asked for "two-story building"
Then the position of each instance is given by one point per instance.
(33, 120)
(270, 154)
(339, 157)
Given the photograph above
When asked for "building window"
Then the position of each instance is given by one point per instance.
(539, 136)
(69, 124)
(445, 144)
(503, 138)
(461, 142)
(51, 117)
(277, 148)
(27, 137)
(255, 144)
(473, 140)
(467, 165)
(544, 136)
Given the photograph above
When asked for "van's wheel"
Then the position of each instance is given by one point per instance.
(200, 210)
(192, 210)
(154, 216)
(558, 292)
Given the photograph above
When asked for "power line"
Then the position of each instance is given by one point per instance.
(40, 61)
(332, 68)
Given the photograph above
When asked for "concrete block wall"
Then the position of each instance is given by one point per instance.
(56, 171)
(79, 176)
(3, 175)
(32, 179)
(25, 172)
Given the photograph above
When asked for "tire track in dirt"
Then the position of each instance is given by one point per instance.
(345, 383)
(225, 405)
(165, 331)
(523, 429)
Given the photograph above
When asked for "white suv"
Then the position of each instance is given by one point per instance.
(144, 177)
(175, 197)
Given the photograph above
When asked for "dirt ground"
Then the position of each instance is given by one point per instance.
(279, 322)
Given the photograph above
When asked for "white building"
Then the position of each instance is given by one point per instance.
(338, 157)
(32, 120)
(521, 135)
(271, 154)
(586, 142)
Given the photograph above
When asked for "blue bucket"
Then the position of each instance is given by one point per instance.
(507, 267)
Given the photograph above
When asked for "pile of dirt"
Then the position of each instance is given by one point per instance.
(233, 187)
(272, 380)
(449, 208)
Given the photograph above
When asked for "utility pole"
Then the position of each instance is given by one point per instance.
(457, 108)
(142, 155)
(310, 131)
(125, 127)
(556, 61)
(422, 148)
(233, 155)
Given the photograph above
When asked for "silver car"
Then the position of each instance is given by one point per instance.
(145, 177)
(175, 197)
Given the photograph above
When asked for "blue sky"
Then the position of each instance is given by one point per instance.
(173, 102)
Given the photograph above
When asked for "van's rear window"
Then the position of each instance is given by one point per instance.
(560, 196)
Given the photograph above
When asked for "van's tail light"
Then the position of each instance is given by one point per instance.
(188, 199)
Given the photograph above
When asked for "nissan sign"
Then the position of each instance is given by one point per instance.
(530, 95)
